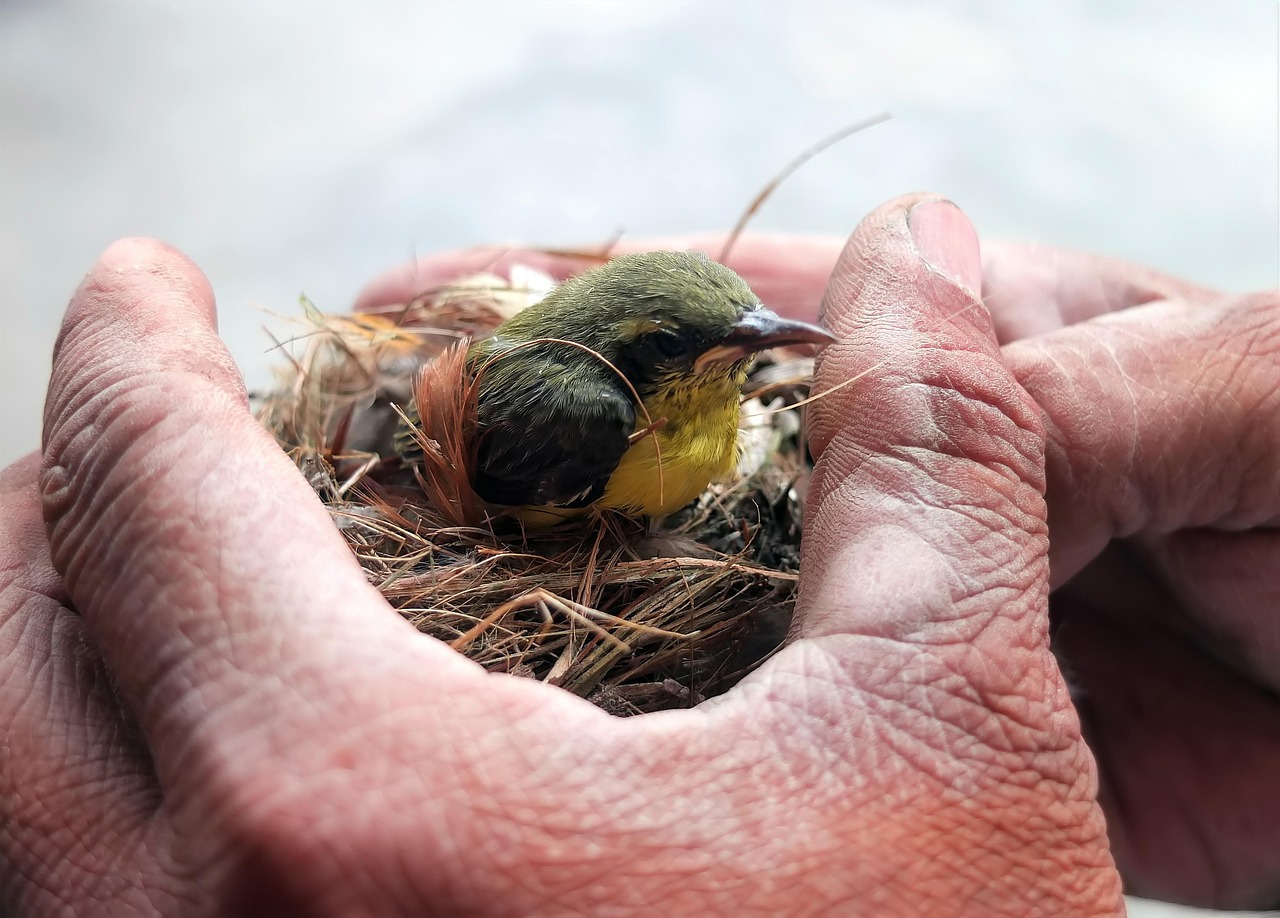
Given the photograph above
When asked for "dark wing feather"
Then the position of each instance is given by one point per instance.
(550, 435)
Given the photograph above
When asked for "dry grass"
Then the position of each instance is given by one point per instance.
(633, 620)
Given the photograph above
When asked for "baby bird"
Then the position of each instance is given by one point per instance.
(559, 428)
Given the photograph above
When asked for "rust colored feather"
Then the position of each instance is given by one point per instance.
(444, 430)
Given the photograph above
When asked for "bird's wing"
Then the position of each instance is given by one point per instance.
(550, 437)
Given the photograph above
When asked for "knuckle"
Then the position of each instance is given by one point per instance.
(111, 439)
(952, 408)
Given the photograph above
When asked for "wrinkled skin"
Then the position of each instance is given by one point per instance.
(233, 722)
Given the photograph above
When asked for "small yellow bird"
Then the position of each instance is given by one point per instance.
(557, 425)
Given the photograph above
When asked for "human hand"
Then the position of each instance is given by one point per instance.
(1163, 495)
(285, 744)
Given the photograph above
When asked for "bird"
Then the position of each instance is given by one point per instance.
(631, 365)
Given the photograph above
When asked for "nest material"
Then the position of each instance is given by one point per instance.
(631, 618)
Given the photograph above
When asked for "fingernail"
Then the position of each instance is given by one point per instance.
(947, 242)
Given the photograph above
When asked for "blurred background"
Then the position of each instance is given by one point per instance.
(293, 147)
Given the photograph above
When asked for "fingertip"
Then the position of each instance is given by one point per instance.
(142, 305)
(947, 242)
(907, 278)
(129, 261)
(787, 271)
(407, 282)
(921, 243)
(140, 251)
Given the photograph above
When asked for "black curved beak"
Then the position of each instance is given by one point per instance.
(759, 330)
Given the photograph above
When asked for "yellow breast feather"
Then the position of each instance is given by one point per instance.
(698, 443)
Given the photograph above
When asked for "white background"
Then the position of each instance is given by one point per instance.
(296, 147)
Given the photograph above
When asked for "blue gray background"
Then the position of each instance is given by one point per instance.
(294, 147)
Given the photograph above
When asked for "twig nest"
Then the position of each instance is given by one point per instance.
(633, 617)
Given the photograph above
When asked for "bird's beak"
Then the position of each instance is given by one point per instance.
(759, 330)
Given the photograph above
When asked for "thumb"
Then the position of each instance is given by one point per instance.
(927, 496)
(201, 562)
(921, 632)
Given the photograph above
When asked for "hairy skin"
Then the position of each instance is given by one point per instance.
(235, 723)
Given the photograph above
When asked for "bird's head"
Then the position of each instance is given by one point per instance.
(659, 316)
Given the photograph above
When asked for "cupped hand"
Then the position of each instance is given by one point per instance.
(236, 723)
(1164, 495)
(1160, 399)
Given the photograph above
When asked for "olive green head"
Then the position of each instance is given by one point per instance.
(655, 315)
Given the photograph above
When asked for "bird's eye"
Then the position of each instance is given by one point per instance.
(669, 344)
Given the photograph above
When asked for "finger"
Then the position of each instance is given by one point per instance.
(74, 779)
(204, 566)
(1159, 418)
(919, 662)
(935, 451)
(1033, 289)
(789, 273)
(1028, 289)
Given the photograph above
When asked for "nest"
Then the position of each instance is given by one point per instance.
(632, 617)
